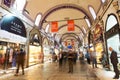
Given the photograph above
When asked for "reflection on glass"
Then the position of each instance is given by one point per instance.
(35, 52)
(114, 43)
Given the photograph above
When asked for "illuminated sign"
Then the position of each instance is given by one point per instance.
(13, 25)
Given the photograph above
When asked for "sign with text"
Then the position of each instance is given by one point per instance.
(13, 24)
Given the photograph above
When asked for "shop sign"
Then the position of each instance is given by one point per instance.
(114, 30)
(13, 25)
(71, 25)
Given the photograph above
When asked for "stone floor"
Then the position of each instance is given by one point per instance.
(51, 71)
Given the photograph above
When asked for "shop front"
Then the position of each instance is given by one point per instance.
(34, 47)
(112, 36)
(34, 54)
(12, 37)
(47, 49)
(98, 41)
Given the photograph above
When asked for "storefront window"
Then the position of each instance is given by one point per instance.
(115, 44)
(35, 52)
(46, 50)
(112, 36)
(2, 55)
(99, 49)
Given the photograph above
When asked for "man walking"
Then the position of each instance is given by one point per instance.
(70, 61)
(114, 61)
(20, 61)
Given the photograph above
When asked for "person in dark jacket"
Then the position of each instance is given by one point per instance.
(20, 61)
(87, 56)
(114, 61)
(70, 61)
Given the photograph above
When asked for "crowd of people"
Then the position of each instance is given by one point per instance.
(16, 58)
(71, 56)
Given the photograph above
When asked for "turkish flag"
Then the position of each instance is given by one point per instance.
(65, 43)
(72, 42)
(54, 26)
(71, 25)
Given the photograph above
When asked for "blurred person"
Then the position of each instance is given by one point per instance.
(81, 57)
(93, 58)
(20, 61)
(1, 59)
(60, 57)
(103, 59)
(64, 58)
(54, 57)
(70, 61)
(15, 52)
(87, 56)
(75, 57)
(6, 58)
(114, 61)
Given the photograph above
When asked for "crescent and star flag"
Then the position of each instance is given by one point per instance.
(70, 25)
(54, 26)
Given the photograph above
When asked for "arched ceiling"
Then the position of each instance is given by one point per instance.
(57, 10)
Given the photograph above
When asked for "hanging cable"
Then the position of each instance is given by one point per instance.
(65, 20)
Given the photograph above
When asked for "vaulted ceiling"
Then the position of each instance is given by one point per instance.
(62, 10)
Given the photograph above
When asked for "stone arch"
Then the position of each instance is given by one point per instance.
(63, 6)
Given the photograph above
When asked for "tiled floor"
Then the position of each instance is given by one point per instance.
(51, 71)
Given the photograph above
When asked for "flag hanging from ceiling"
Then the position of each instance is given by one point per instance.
(71, 25)
(65, 43)
(54, 26)
(72, 42)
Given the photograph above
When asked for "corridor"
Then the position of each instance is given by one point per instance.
(51, 71)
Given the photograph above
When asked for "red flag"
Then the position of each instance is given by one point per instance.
(54, 26)
(65, 43)
(71, 25)
(72, 42)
